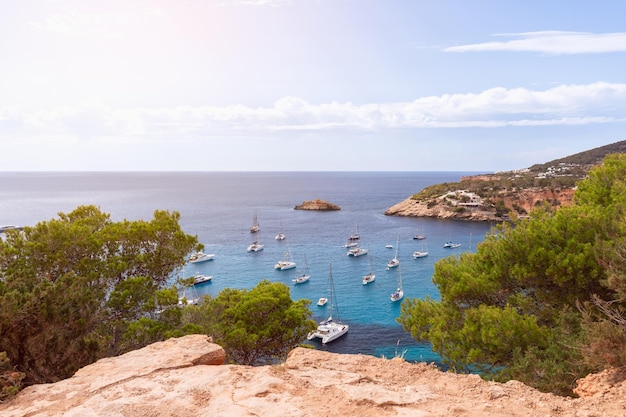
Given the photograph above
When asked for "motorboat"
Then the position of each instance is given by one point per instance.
(451, 245)
(200, 278)
(322, 301)
(201, 257)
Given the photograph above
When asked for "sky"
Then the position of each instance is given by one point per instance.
(308, 85)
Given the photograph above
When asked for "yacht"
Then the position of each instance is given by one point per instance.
(200, 278)
(201, 257)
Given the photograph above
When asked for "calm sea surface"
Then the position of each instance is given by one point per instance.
(219, 208)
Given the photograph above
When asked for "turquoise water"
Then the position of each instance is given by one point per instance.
(219, 208)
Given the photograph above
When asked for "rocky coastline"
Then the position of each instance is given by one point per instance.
(460, 204)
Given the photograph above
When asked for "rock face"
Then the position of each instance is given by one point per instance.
(175, 378)
(317, 204)
(442, 208)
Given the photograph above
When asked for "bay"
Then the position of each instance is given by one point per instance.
(219, 207)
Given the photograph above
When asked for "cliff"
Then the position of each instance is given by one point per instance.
(454, 204)
(498, 196)
(317, 204)
(185, 377)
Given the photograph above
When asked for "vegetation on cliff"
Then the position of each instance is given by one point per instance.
(541, 300)
(501, 193)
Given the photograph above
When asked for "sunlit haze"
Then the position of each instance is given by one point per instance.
(307, 85)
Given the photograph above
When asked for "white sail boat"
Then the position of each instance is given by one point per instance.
(418, 236)
(280, 235)
(395, 261)
(286, 263)
(255, 224)
(422, 252)
(305, 275)
(331, 328)
(353, 239)
(399, 292)
(255, 246)
(371, 276)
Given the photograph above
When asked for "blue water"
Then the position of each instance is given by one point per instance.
(219, 207)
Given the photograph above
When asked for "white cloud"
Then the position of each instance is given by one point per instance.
(95, 25)
(552, 42)
(496, 107)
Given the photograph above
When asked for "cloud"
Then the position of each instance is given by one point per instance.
(552, 42)
(95, 25)
(496, 107)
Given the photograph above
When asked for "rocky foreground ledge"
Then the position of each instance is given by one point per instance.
(185, 377)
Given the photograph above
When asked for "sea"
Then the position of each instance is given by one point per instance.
(219, 207)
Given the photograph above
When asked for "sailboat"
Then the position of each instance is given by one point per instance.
(286, 263)
(280, 235)
(331, 328)
(395, 261)
(399, 292)
(353, 239)
(255, 246)
(305, 275)
(371, 276)
(422, 253)
(255, 224)
(418, 236)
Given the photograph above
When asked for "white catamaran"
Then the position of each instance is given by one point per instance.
(331, 328)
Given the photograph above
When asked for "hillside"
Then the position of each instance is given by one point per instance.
(501, 195)
(186, 377)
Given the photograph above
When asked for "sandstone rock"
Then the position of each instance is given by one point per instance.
(317, 204)
(172, 378)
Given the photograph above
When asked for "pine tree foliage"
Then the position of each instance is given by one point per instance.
(510, 309)
(70, 286)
